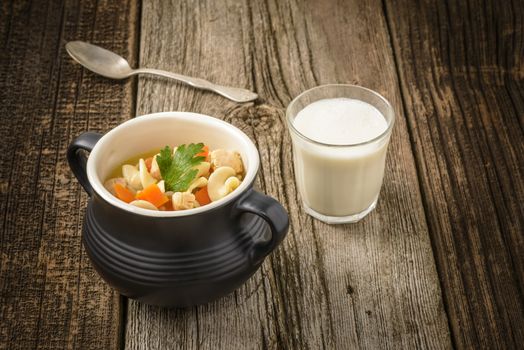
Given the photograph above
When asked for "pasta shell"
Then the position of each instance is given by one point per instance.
(145, 177)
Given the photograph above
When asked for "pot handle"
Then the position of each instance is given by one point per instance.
(273, 213)
(78, 160)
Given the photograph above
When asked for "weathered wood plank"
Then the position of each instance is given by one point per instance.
(370, 285)
(462, 76)
(50, 296)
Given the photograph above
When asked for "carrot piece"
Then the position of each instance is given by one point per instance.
(123, 193)
(202, 196)
(167, 207)
(153, 195)
(204, 153)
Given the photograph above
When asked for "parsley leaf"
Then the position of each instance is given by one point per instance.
(178, 170)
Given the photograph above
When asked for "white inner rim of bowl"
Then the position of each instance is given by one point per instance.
(107, 153)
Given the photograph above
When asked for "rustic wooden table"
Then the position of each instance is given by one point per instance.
(439, 263)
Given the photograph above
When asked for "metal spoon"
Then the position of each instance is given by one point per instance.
(110, 65)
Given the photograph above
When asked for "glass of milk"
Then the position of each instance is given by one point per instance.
(340, 136)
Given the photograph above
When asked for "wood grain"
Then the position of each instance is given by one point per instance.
(50, 296)
(461, 69)
(369, 285)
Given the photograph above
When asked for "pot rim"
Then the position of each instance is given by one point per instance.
(99, 189)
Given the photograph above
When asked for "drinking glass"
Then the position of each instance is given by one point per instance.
(339, 183)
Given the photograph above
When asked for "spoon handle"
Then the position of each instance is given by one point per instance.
(232, 93)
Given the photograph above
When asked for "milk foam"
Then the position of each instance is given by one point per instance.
(340, 121)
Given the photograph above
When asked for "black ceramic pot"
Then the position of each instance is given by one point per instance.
(179, 258)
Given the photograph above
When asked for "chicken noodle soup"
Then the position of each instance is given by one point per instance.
(178, 178)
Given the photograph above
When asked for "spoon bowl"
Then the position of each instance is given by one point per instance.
(99, 60)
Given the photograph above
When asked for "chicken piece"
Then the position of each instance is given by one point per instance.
(222, 157)
(184, 200)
